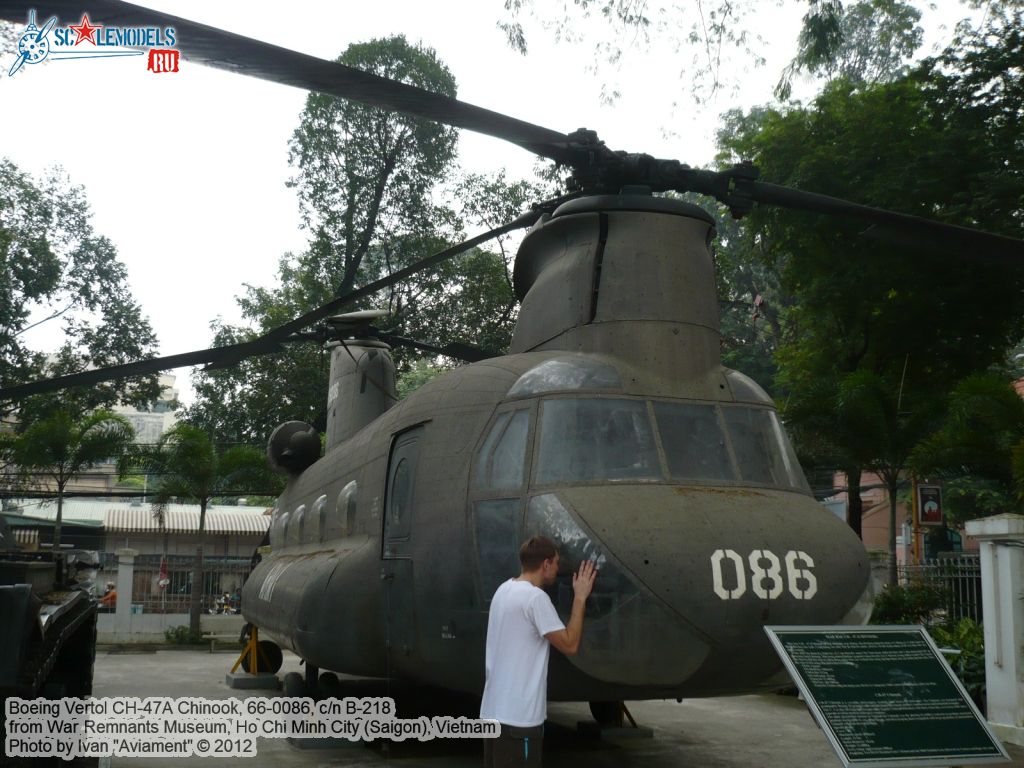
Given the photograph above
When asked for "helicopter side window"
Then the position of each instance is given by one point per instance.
(792, 465)
(694, 441)
(502, 459)
(345, 511)
(295, 525)
(596, 439)
(282, 529)
(480, 473)
(318, 518)
(399, 495)
(756, 447)
(276, 528)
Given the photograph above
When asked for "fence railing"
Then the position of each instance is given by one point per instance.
(958, 578)
(222, 576)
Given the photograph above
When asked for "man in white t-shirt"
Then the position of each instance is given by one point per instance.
(521, 628)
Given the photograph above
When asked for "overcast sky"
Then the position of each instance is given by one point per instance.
(186, 172)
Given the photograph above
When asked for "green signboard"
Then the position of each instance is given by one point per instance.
(884, 696)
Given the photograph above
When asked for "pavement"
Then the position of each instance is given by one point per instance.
(764, 731)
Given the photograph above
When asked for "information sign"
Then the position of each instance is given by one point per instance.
(885, 696)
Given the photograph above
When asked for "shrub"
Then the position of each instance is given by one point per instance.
(968, 637)
(912, 604)
(181, 635)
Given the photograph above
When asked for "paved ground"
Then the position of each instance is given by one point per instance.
(738, 732)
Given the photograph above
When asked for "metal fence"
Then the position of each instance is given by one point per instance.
(223, 578)
(957, 578)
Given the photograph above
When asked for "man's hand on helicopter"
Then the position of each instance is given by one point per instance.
(568, 640)
(583, 580)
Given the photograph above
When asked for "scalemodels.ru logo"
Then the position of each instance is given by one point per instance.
(86, 40)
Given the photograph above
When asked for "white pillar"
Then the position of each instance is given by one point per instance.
(1002, 579)
(125, 581)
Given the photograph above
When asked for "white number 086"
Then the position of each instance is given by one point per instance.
(765, 574)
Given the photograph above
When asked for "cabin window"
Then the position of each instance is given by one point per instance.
(694, 441)
(502, 459)
(497, 543)
(399, 495)
(318, 518)
(282, 529)
(345, 512)
(596, 439)
(295, 524)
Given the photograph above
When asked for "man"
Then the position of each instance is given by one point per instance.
(109, 599)
(521, 629)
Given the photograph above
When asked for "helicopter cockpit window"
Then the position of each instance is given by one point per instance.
(546, 515)
(756, 445)
(694, 442)
(276, 528)
(596, 439)
(500, 463)
(571, 373)
(497, 543)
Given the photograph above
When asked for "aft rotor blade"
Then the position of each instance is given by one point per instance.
(220, 357)
(457, 349)
(225, 50)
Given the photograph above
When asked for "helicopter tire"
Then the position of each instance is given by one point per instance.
(294, 685)
(329, 685)
(607, 713)
(270, 657)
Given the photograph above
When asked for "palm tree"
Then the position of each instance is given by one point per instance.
(62, 446)
(187, 465)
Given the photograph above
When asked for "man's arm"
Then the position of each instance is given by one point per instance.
(568, 640)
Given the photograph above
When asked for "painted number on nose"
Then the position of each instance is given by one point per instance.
(766, 579)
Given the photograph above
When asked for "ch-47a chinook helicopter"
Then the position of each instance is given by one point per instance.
(610, 426)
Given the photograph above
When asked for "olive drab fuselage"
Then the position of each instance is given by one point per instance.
(611, 427)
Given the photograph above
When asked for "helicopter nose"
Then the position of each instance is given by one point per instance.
(721, 562)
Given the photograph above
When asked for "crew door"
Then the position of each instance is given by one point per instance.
(397, 545)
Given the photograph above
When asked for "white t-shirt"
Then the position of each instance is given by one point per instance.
(517, 655)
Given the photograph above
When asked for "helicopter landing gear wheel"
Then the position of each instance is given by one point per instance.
(608, 714)
(329, 686)
(294, 685)
(270, 658)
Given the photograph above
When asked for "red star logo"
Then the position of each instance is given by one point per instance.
(85, 30)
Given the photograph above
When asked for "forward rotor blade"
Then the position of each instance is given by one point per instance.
(899, 227)
(221, 357)
(225, 50)
(739, 189)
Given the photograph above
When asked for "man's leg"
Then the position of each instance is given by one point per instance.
(515, 748)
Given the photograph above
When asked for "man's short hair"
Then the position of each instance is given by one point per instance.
(535, 551)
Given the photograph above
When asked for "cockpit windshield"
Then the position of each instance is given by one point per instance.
(609, 439)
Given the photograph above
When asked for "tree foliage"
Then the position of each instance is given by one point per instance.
(54, 450)
(372, 186)
(187, 465)
(941, 142)
(53, 263)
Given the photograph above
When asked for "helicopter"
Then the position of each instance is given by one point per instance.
(610, 426)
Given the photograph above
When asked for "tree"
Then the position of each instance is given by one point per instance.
(978, 452)
(187, 465)
(60, 447)
(934, 143)
(54, 262)
(867, 42)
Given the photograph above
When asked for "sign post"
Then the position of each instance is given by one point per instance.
(885, 696)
